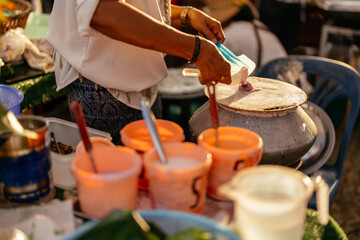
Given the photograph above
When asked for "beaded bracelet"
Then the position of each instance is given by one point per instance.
(183, 15)
(196, 49)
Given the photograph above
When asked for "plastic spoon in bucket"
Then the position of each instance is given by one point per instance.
(213, 111)
(77, 113)
(149, 118)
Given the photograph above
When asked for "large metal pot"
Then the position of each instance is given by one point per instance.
(273, 112)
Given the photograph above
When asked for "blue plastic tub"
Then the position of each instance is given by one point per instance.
(11, 98)
(170, 222)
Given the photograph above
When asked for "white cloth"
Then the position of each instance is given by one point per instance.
(124, 69)
(241, 39)
(36, 58)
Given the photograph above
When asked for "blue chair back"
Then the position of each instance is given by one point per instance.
(333, 82)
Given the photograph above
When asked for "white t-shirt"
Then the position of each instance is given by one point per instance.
(124, 69)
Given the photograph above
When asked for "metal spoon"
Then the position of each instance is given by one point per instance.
(149, 117)
(52, 135)
(9, 123)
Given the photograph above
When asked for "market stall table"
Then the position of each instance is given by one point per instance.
(38, 88)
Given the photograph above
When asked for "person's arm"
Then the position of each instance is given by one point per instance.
(123, 22)
(200, 21)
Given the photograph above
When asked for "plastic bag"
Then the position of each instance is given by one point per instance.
(50, 221)
(12, 45)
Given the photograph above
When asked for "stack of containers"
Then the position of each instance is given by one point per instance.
(136, 135)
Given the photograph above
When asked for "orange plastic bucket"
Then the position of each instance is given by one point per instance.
(97, 141)
(136, 136)
(180, 184)
(116, 183)
(238, 149)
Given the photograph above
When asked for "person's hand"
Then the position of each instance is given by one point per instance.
(212, 65)
(206, 26)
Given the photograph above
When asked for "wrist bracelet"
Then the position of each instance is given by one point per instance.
(183, 15)
(196, 49)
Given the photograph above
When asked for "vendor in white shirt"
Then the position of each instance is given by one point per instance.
(109, 54)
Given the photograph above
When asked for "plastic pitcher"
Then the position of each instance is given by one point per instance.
(179, 184)
(271, 201)
(238, 149)
(115, 184)
(136, 136)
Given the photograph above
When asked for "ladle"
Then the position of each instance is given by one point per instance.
(77, 112)
(9, 123)
(149, 117)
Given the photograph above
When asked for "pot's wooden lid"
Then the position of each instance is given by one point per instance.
(273, 95)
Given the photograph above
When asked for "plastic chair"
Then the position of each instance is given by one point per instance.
(334, 82)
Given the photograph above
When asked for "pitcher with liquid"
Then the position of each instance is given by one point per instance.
(270, 201)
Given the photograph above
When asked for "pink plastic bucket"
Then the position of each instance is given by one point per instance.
(136, 136)
(115, 184)
(181, 183)
(239, 149)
